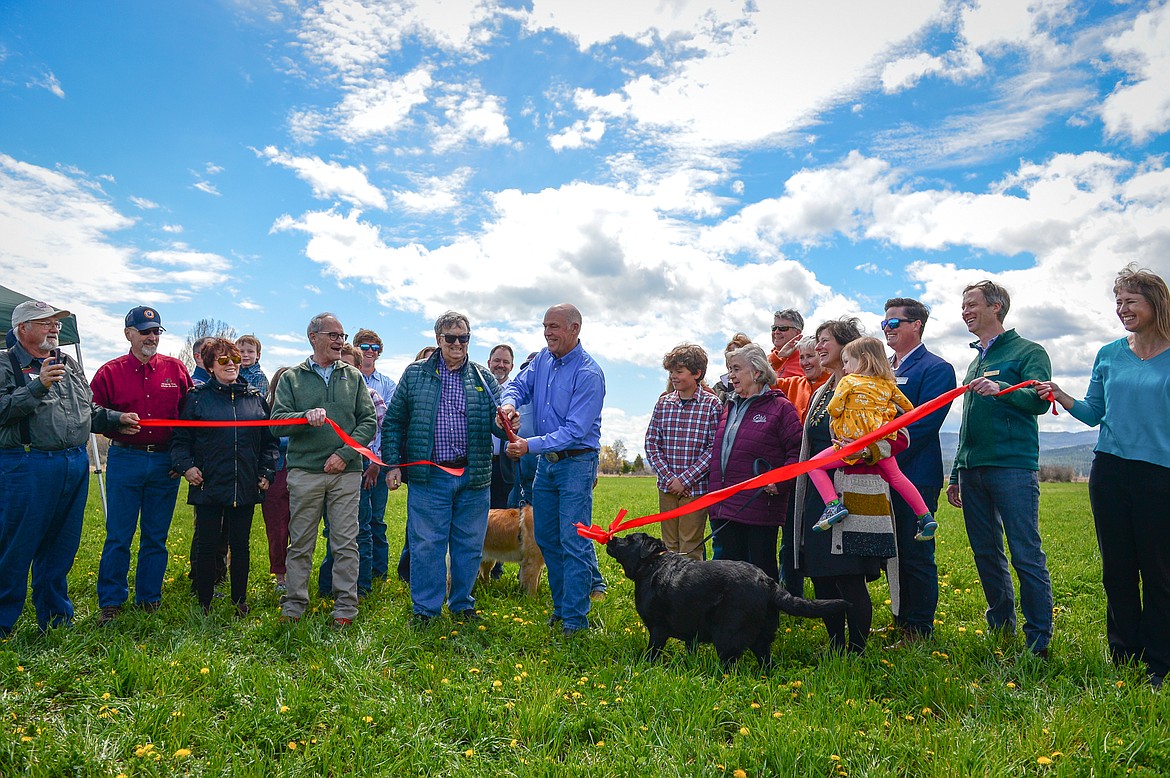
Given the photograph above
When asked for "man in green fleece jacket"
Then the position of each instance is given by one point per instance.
(323, 473)
(994, 480)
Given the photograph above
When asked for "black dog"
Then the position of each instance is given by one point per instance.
(734, 605)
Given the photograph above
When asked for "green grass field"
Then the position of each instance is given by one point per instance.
(178, 694)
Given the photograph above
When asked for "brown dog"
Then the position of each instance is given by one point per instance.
(510, 539)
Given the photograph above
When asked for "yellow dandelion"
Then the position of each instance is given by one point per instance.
(744, 731)
(777, 714)
(292, 745)
(204, 670)
(106, 696)
(514, 743)
(497, 684)
(927, 712)
(20, 668)
(25, 739)
(795, 684)
(1043, 760)
(1011, 684)
(834, 757)
(755, 706)
(182, 753)
(474, 671)
(1120, 684)
(962, 629)
(368, 719)
(1056, 754)
(284, 709)
(469, 752)
(600, 744)
(740, 774)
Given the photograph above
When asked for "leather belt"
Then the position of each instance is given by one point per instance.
(556, 456)
(458, 462)
(150, 448)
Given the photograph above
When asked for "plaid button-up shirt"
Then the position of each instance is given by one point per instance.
(451, 419)
(680, 438)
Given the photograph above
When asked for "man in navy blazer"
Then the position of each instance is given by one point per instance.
(922, 376)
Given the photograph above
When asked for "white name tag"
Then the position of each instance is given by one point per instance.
(902, 380)
(990, 373)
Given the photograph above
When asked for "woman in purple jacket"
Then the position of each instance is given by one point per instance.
(757, 424)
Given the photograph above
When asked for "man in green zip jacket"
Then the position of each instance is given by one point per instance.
(994, 480)
(324, 474)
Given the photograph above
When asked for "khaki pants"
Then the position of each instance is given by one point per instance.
(684, 534)
(309, 496)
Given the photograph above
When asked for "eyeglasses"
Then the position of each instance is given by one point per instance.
(783, 328)
(453, 339)
(225, 359)
(49, 324)
(893, 324)
(334, 336)
(370, 347)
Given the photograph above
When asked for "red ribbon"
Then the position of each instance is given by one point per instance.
(512, 436)
(345, 437)
(787, 471)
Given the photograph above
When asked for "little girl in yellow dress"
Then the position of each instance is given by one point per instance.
(866, 398)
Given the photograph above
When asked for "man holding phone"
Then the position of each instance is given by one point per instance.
(139, 481)
(46, 414)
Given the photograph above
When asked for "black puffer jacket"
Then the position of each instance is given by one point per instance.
(232, 459)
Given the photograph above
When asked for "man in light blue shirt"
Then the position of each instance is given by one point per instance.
(375, 493)
(566, 389)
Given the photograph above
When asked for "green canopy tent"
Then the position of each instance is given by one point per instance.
(9, 299)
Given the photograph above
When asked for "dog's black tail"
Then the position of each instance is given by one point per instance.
(809, 609)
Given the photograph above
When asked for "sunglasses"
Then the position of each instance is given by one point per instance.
(225, 360)
(893, 324)
(453, 339)
(156, 331)
(370, 347)
(783, 328)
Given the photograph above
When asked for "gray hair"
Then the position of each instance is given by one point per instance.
(450, 319)
(315, 322)
(808, 341)
(792, 315)
(993, 294)
(757, 360)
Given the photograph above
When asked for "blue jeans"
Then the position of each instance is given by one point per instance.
(914, 568)
(562, 495)
(373, 502)
(445, 515)
(41, 514)
(138, 487)
(999, 501)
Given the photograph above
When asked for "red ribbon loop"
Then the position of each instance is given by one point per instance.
(345, 437)
(786, 472)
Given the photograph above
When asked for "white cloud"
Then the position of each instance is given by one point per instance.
(381, 105)
(708, 90)
(212, 169)
(472, 115)
(248, 305)
(329, 179)
(143, 204)
(616, 424)
(433, 194)
(602, 20)
(1139, 108)
(206, 186)
(48, 81)
(58, 227)
(172, 228)
(583, 132)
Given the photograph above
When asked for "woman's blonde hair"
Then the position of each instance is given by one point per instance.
(1150, 286)
(870, 356)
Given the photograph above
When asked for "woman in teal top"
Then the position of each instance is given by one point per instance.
(1129, 485)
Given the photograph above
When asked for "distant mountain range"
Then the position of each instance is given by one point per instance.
(1072, 449)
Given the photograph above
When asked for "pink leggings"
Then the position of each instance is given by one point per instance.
(890, 472)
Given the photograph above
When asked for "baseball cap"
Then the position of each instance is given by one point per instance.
(528, 361)
(31, 310)
(144, 318)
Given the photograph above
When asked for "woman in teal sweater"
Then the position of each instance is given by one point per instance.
(1129, 485)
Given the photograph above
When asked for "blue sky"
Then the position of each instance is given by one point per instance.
(678, 170)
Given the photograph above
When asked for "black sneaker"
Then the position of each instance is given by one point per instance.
(421, 620)
(471, 614)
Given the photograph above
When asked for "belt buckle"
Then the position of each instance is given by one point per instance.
(552, 457)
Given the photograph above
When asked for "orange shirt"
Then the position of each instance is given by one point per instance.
(799, 390)
(786, 367)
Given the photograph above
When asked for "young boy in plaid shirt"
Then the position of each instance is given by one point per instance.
(678, 446)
